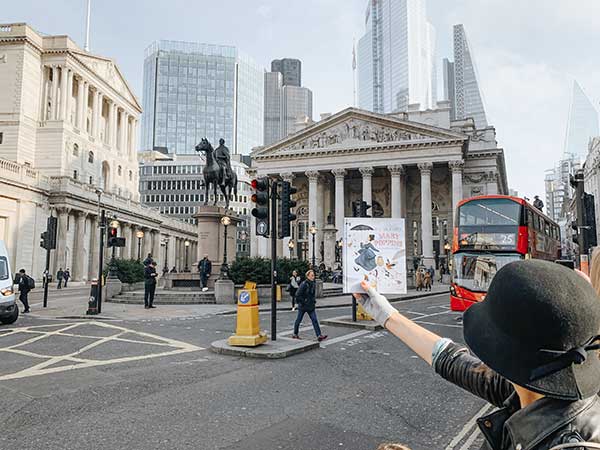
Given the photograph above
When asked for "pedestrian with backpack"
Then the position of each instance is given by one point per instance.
(59, 278)
(306, 299)
(26, 284)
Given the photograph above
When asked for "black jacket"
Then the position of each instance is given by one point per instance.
(306, 295)
(150, 275)
(540, 426)
(205, 266)
(23, 282)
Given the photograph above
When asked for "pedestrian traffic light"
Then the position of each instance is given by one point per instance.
(286, 204)
(44, 242)
(260, 198)
(112, 236)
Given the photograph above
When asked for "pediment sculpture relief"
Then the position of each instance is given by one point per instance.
(355, 130)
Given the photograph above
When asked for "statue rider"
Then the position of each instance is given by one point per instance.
(224, 161)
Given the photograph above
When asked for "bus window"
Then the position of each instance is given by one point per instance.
(530, 219)
(546, 228)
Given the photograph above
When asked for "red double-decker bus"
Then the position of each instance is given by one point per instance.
(492, 231)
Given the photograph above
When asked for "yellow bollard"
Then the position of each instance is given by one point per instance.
(247, 332)
(278, 293)
(361, 314)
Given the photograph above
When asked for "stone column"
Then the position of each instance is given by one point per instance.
(109, 128)
(94, 247)
(126, 251)
(94, 128)
(115, 125)
(456, 168)
(146, 244)
(367, 190)
(86, 101)
(313, 206)
(69, 97)
(64, 78)
(339, 201)
(426, 221)
(79, 120)
(132, 139)
(61, 239)
(54, 110)
(123, 135)
(79, 256)
(101, 136)
(396, 171)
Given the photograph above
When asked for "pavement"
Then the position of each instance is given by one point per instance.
(154, 384)
(72, 303)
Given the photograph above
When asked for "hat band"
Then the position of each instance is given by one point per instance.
(564, 358)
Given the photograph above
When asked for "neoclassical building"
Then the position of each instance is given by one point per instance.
(68, 127)
(415, 165)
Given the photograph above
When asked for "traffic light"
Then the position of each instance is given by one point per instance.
(44, 242)
(261, 199)
(111, 239)
(285, 214)
(52, 228)
(589, 221)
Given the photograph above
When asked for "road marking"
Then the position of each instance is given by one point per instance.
(469, 442)
(79, 362)
(345, 337)
(468, 426)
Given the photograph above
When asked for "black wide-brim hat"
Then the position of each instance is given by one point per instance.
(538, 327)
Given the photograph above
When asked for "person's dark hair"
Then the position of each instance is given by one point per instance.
(22, 271)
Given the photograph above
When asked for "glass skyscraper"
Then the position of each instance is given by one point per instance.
(582, 124)
(194, 90)
(468, 99)
(396, 57)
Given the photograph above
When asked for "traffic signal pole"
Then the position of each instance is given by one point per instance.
(46, 277)
(101, 260)
(273, 230)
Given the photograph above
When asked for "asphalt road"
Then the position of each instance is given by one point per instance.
(77, 384)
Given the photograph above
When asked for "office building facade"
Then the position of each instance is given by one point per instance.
(396, 57)
(285, 104)
(290, 69)
(194, 90)
(582, 124)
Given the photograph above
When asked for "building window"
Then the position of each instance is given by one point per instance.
(75, 175)
(75, 150)
(91, 157)
(91, 180)
(1, 137)
(130, 175)
(119, 170)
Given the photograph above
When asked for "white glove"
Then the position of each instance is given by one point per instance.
(376, 305)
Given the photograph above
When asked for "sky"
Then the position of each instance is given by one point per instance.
(527, 52)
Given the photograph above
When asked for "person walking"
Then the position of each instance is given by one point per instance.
(26, 284)
(306, 298)
(66, 276)
(535, 355)
(293, 287)
(432, 274)
(149, 285)
(419, 279)
(59, 278)
(205, 269)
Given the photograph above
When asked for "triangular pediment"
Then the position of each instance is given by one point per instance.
(110, 73)
(354, 127)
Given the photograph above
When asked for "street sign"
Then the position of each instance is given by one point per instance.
(262, 228)
(244, 297)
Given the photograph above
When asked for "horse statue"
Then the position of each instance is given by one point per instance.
(217, 172)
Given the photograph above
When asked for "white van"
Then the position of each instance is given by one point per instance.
(9, 311)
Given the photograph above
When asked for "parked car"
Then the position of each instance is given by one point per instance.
(9, 311)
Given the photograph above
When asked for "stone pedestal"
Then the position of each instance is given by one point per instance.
(329, 235)
(112, 288)
(224, 292)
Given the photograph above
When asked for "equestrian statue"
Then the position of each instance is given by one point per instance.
(217, 171)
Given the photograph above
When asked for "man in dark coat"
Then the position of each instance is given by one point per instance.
(22, 279)
(149, 285)
(148, 260)
(306, 300)
(59, 278)
(205, 269)
(66, 276)
(224, 160)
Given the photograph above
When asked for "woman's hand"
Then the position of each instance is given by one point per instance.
(375, 304)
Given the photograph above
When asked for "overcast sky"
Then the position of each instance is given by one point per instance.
(527, 52)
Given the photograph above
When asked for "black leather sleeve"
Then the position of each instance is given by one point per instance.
(459, 367)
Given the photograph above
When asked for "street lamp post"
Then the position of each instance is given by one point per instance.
(166, 266)
(224, 274)
(291, 246)
(139, 235)
(313, 230)
(187, 246)
(112, 266)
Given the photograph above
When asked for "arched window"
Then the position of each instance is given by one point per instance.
(91, 157)
(75, 150)
(130, 175)
(119, 170)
